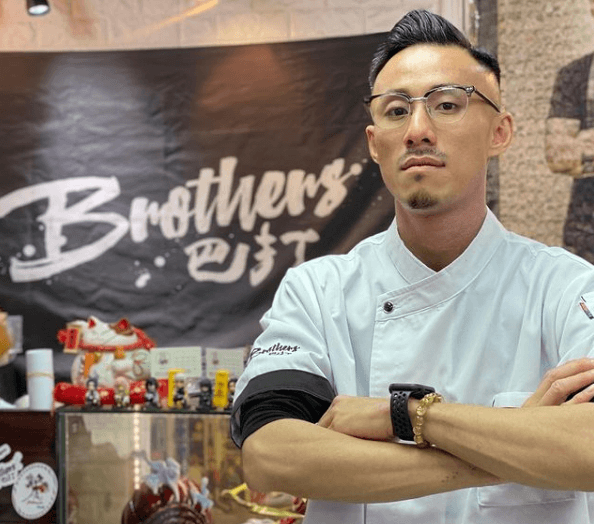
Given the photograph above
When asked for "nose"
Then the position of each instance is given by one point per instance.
(419, 128)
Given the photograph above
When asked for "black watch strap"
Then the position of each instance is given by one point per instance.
(400, 393)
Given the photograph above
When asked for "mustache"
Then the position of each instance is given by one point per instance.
(433, 152)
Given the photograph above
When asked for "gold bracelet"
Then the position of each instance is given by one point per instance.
(422, 408)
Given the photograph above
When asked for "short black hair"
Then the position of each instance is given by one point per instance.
(423, 27)
(151, 381)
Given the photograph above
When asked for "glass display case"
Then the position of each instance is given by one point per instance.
(135, 466)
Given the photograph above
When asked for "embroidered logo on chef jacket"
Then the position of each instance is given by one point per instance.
(585, 309)
(274, 350)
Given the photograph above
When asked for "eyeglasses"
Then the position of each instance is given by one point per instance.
(446, 104)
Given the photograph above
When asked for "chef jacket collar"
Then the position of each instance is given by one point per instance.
(463, 269)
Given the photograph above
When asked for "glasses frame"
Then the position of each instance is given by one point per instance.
(410, 99)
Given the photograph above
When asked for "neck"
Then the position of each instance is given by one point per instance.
(439, 239)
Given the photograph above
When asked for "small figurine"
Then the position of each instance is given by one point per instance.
(205, 396)
(151, 395)
(221, 390)
(180, 397)
(165, 495)
(121, 393)
(230, 393)
(92, 397)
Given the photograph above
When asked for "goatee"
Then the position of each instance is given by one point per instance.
(421, 200)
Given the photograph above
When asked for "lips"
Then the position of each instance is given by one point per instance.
(422, 161)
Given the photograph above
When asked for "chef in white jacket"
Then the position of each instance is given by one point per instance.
(381, 384)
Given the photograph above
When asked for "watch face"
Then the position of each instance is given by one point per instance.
(35, 491)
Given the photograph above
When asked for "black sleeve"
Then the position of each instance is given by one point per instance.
(274, 405)
(276, 395)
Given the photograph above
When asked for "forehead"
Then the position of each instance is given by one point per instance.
(418, 68)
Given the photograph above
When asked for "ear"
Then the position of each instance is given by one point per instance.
(502, 134)
(370, 132)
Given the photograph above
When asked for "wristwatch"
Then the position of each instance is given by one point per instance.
(400, 393)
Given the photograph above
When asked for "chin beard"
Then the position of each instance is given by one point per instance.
(421, 200)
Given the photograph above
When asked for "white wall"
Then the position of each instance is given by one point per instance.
(141, 24)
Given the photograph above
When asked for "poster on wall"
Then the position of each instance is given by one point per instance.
(570, 147)
(546, 176)
(175, 187)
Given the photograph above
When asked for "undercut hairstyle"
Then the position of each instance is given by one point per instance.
(422, 27)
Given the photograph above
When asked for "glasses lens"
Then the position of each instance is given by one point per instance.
(448, 104)
(390, 110)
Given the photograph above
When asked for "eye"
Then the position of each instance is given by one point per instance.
(446, 107)
(447, 101)
(394, 107)
(395, 112)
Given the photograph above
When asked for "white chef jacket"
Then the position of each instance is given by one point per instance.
(481, 331)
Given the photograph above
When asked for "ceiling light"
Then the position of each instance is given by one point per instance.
(37, 7)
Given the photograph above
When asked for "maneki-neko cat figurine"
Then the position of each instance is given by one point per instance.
(106, 351)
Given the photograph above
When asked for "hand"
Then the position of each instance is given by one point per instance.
(563, 149)
(586, 138)
(362, 417)
(560, 382)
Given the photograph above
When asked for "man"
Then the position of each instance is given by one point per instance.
(445, 298)
(569, 147)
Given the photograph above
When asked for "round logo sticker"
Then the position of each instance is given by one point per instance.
(35, 491)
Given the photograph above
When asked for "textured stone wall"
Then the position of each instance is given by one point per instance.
(131, 24)
(536, 38)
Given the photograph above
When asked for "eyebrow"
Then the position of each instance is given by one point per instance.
(407, 92)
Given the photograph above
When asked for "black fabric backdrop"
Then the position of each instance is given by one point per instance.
(175, 187)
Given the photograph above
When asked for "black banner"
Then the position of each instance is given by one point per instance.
(175, 187)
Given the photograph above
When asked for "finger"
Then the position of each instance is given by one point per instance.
(586, 395)
(571, 368)
(562, 388)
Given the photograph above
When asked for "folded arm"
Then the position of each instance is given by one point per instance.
(541, 447)
(308, 460)
(547, 444)
(349, 455)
